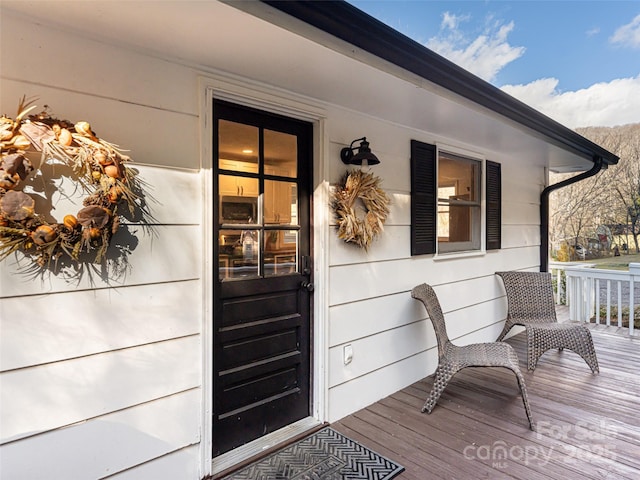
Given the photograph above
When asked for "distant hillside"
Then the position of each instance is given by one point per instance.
(609, 137)
(606, 202)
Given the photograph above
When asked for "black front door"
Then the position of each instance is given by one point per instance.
(262, 292)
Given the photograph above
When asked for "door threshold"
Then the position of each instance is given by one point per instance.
(227, 462)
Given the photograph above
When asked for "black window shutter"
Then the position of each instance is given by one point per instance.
(424, 187)
(494, 205)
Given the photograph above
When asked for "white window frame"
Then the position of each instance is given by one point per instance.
(476, 246)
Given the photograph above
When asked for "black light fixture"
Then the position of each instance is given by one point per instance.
(364, 154)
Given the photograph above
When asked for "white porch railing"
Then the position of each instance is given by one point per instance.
(558, 269)
(595, 294)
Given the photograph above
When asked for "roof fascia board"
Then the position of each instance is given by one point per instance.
(346, 22)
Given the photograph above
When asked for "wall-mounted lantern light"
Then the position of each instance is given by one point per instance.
(364, 154)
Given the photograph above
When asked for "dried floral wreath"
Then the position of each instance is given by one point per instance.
(100, 168)
(360, 229)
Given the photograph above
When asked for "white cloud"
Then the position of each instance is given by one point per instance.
(594, 31)
(451, 20)
(602, 104)
(629, 34)
(484, 56)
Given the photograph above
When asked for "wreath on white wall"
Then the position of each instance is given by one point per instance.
(361, 208)
(100, 169)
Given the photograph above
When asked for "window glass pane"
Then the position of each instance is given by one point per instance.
(229, 249)
(459, 211)
(280, 252)
(238, 199)
(280, 202)
(239, 254)
(237, 146)
(280, 154)
(443, 211)
(462, 174)
(460, 223)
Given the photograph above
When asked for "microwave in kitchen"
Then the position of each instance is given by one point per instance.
(238, 209)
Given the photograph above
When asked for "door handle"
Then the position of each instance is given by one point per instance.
(308, 286)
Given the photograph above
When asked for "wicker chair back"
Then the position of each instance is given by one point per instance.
(428, 297)
(530, 296)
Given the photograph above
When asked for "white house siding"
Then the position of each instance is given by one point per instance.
(104, 379)
(370, 306)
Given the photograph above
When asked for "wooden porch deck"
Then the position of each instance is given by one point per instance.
(587, 426)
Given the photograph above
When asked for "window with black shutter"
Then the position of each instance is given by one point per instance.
(446, 202)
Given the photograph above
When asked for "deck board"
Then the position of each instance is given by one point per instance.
(587, 426)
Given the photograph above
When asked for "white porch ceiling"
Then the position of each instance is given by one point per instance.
(211, 35)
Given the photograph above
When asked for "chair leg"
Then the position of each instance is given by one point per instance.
(580, 343)
(440, 381)
(584, 347)
(534, 350)
(589, 356)
(592, 362)
(525, 398)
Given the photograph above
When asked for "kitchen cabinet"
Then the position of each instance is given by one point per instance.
(277, 201)
(236, 185)
(278, 196)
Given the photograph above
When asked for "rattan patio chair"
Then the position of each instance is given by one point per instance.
(531, 305)
(453, 358)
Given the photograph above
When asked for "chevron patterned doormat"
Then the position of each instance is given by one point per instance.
(325, 455)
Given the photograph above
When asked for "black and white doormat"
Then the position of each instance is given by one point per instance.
(325, 455)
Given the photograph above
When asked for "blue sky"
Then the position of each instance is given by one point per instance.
(576, 61)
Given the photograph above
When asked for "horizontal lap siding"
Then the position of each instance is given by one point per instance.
(100, 377)
(88, 322)
(101, 446)
(87, 387)
(349, 397)
(520, 236)
(376, 279)
(171, 254)
(145, 105)
(179, 464)
(520, 213)
(370, 306)
(152, 135)
(172, 195)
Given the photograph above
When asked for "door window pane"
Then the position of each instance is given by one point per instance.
(238, 199)
(239, 253)
(281, 254)
(229, 249)
(280, 203)
(238, 146)
(280, 154)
